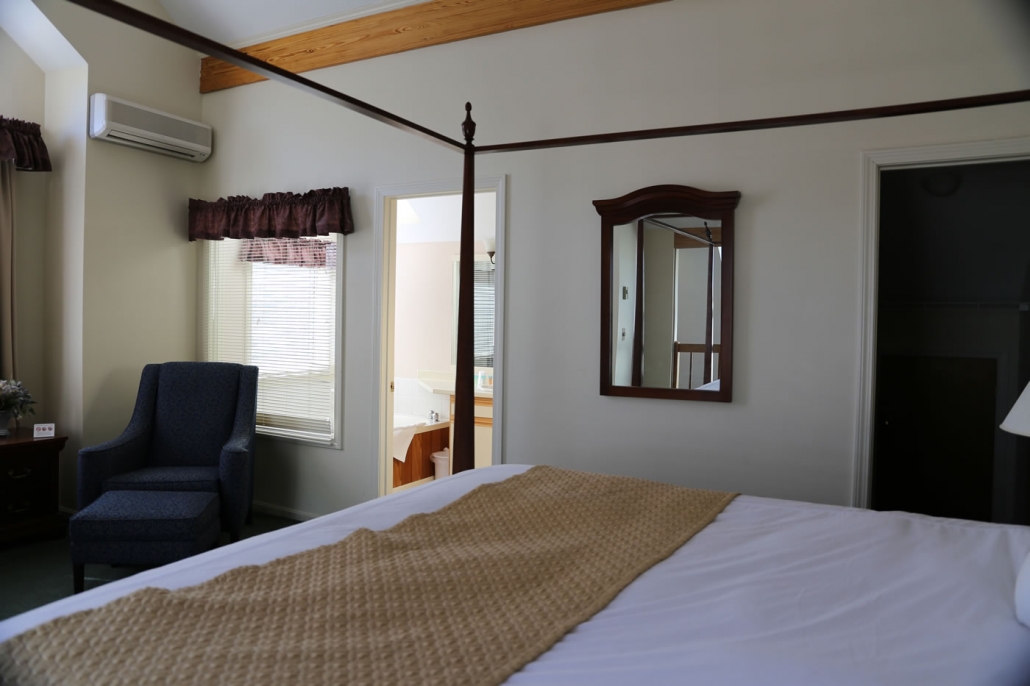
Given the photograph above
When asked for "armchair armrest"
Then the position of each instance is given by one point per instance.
(125, 453)
(236, 463)
(101, 462)
(235, 470)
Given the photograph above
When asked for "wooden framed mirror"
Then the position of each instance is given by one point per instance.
(667, 294)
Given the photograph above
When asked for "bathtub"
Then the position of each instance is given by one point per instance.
(412, 460)
(405, 426)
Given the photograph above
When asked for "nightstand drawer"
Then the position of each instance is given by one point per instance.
(29, 485)
(19, 507)
(18, 474)
(28, 475)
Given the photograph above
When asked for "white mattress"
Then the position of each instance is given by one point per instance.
(772, 592)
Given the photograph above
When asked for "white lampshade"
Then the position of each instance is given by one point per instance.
(1018, 419)
(490, 243)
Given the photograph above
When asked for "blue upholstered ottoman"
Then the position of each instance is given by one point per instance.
(146, 528)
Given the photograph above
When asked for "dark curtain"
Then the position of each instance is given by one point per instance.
(276, 215)
(21, 148)
(22, 142)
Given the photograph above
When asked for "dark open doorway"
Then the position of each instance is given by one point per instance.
(953, 341)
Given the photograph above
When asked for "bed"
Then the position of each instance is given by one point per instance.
(772, 592)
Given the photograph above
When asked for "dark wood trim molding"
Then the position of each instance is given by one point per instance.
(695, 347)
(607, 238)
(837, 116)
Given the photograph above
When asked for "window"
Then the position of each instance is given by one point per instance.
(272, 303)
(484, 278)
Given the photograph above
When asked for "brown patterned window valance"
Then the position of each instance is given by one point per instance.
(22, 142)
(276, 215)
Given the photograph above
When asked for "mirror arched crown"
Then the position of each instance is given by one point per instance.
(667, 293)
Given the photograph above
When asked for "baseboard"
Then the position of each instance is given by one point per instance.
(280, 511)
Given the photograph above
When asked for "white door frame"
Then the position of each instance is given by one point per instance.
(383, 275)
(873, 162)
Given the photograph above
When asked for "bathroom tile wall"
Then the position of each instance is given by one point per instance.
(411, 398)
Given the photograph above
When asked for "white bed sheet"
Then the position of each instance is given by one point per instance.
(772, 592)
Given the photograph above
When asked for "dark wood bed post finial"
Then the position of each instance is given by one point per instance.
(468, 127)
(464, 451)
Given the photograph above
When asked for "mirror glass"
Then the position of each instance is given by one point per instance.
(666, 302)
(667, 293)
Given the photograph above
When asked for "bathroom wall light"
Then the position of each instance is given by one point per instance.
(491, 248)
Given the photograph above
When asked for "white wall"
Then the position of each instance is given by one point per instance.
(790, 431)
(424, 320)
(624, 277)
(65, 123)
(21, 85)
(138, 273)
(22, 90)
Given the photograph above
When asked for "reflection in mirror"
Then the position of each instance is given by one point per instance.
(668, 301)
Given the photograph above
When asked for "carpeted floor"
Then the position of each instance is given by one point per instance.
(39, 572)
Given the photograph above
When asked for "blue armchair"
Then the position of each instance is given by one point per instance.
(192, 430)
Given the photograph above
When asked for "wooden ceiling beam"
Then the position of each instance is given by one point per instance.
(400, 30)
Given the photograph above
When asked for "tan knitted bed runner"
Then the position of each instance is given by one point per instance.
(465, 595)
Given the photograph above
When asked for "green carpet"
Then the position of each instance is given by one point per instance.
(39, 572)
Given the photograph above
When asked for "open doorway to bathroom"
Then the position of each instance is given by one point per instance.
(421, 241)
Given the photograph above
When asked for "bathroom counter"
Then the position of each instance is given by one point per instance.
(433, 426)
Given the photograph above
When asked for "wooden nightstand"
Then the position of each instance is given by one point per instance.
(28, 486)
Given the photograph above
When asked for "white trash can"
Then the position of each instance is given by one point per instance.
(441, 463)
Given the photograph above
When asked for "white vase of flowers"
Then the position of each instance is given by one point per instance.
(15, 402)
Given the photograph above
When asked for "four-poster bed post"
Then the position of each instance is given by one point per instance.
(464, 457)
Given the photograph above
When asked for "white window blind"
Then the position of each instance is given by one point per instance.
(484, 286)
(484, 279)
(272, 303)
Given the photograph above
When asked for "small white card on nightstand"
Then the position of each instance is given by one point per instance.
(42, 430)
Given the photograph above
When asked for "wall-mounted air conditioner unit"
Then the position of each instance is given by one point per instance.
(117, 121)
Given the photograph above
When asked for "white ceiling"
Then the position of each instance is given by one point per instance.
(239, 23)
(32, 31)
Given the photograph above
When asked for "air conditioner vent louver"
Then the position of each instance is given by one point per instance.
(126, 123)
